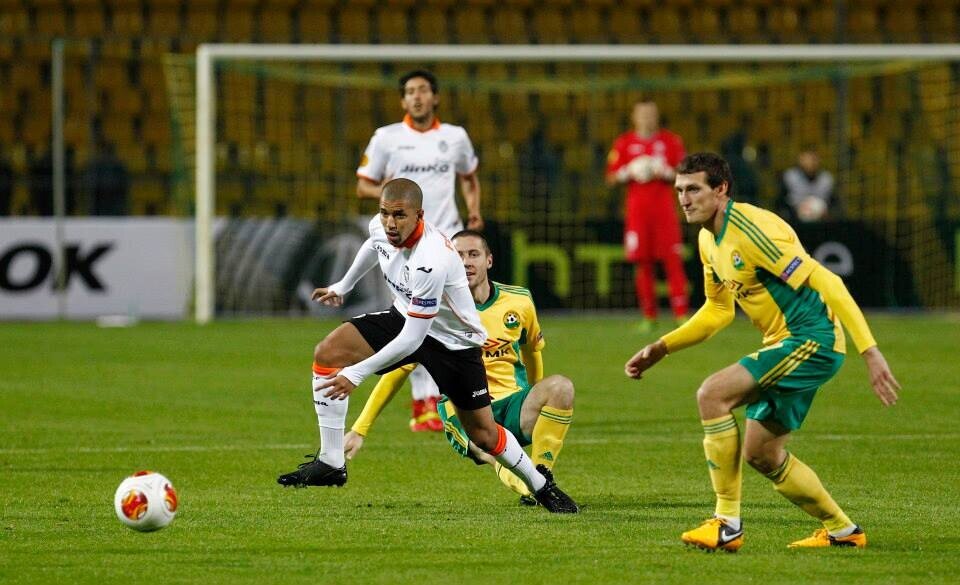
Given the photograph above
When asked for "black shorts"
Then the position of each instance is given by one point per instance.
(459, 373)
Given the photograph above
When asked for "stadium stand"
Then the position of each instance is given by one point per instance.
(116, 86)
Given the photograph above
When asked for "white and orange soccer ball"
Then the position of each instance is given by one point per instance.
(145, 501)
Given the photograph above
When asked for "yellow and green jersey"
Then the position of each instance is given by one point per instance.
(510, 319)
(759, 259)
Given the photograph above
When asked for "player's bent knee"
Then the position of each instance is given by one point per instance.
(560, 391)
(705, 394)
(341, 347)
(712, 393)
(327, 354)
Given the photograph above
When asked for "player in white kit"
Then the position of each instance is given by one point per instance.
(434, 155)
(433, 321)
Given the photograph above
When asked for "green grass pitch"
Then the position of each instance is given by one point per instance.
(222, 409)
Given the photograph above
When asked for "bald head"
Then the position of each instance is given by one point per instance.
(403, 190)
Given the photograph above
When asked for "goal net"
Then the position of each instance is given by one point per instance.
(288, 131)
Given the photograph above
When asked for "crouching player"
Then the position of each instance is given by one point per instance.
(752, 258)
(536, 410)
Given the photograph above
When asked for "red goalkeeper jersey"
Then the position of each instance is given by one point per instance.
(664, 145)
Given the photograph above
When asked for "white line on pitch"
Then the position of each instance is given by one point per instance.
(810, 436)
(155, 449)
(402, 442)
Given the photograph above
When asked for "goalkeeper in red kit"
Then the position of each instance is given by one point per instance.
(644, 159)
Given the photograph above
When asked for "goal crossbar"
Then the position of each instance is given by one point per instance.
(209, 54)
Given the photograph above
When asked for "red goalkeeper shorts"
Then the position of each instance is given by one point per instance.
(651, 229)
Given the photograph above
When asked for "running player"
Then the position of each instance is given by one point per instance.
(435, 155)
(539, 415)
(752, 257)
(433, 321)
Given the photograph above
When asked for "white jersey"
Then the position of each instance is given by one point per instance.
(428, 281)
(432, 159)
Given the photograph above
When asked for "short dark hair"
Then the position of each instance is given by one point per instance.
(403, 189)
(717, 169)
(473, 234)
(430, 77)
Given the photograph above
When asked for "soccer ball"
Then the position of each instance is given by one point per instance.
(644, 169)
(641, 169)
(145, 501)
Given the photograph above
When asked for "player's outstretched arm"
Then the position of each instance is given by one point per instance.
(645, 359)
(835, 294)
(533, 361)
(381, 395)
(332, 295)
(406, 342)
(885, 386)
(716, 313)
(352, 443)
(327, 296)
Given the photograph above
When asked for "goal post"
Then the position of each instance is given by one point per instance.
(210, 56)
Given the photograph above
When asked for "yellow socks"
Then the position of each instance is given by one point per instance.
(510, 480)
(382, 393)
(799, 484)
(721, 444)
(548, 433)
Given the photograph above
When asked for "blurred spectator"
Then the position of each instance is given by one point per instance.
(735, 150)
(106, 182)
(643, 159)
(6, 187)
(806, 190)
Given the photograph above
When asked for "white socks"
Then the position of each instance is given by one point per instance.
(422, 385)
(332, 416)
(730, 521)
(845, 532)
(513, 458)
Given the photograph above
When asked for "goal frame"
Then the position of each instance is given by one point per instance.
(208, 55)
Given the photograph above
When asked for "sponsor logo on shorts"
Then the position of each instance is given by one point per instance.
(791, 268)
(424, 302)
(479, 392)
